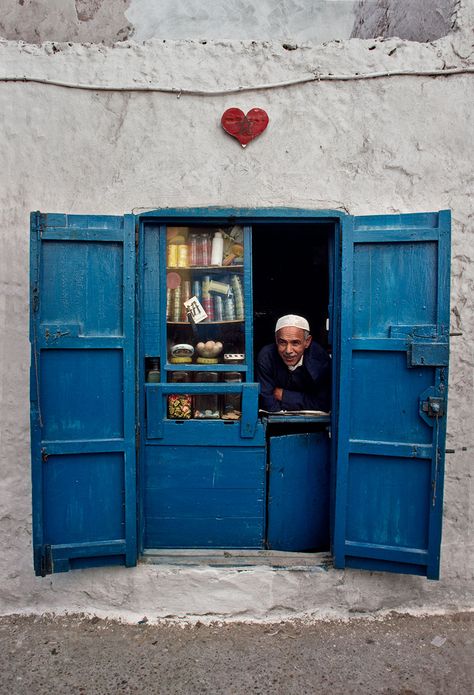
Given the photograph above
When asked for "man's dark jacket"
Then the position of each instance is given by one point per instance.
(305, 388)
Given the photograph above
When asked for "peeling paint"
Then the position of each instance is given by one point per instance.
(423, 20)
(87, 9)
(99, 21)
(294, 22)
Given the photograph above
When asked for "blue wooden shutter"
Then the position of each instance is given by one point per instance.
(83, 391)
(393, 388)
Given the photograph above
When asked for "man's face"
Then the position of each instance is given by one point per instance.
(291, 344)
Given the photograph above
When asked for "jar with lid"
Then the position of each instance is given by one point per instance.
(179, 404)
(232, 402)
(206, 405)
(153, 374)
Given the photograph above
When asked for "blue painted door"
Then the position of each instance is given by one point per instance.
(298, 492)
(83, 391)
(393, 388)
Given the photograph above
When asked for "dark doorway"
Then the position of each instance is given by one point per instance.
(290, 276)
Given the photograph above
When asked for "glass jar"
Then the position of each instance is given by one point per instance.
(206, 405)
(232, 402)
(179, 404)
(153, 375)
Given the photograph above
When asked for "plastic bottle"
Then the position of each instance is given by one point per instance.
(217, 249)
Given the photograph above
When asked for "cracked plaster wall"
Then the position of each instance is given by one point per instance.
(391, 145)
(422, 20)
(108, 21)
(36, 21)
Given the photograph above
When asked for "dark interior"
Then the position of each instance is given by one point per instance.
(290, 276)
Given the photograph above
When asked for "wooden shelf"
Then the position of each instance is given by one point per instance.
(205, 267)
(193, 367)
(203, 323)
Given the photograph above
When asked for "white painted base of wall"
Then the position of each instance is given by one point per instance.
(244, 594)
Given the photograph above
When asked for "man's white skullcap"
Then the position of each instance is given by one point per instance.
(292, 320)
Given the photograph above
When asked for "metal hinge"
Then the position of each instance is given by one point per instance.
(35, 298)
(46, 561)
(137, 437)
(433, 406)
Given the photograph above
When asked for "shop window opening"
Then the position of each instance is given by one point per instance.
(291, 276)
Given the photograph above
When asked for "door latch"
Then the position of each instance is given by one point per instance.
(433, 406)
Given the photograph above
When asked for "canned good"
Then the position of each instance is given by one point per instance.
(218, 309)
(183, 256)
(172, 255)
(176, 305)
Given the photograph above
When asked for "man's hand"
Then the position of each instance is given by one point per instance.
(278, 393)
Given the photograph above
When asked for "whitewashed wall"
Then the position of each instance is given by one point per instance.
(389, 145)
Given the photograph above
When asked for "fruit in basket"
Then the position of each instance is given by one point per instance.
(210, 348)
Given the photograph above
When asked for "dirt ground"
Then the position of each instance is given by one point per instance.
(399, 655)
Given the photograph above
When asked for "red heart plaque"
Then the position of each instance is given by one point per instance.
(244, 127)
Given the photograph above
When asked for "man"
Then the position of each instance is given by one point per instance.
(294, 372)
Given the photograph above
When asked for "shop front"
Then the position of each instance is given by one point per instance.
(147, 435)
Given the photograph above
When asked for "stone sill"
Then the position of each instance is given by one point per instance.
(276, 559)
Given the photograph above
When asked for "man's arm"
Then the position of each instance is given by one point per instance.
(296, 400)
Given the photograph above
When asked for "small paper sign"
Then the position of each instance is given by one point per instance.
(195, 310)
